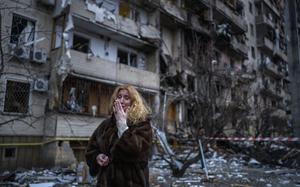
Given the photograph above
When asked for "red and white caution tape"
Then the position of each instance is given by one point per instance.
(258, 139)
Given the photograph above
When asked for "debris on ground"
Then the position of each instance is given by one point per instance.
(223, 170)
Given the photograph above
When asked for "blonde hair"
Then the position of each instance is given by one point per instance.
(139, 110)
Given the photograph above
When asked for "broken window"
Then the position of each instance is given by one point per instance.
(125, 10)
(9, 153)
(85, 96)
(59, 26)
(128, 58)
(81, 43)
(22, 30)
(17, 97)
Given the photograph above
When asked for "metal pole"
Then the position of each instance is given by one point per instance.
(203, 158)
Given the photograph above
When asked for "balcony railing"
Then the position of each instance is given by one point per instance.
(173, 10)
(273, 69)
(238, 22)
(265, 43)
(263, 20)
(271, 90)
(111, 71)
(270, 5)
(99, 20)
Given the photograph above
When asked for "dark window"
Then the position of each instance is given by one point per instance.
(127, 58)
(17, 97)
(81, 44)
(250, 8)
(191, 83)
(252, 29)
(190, 116)
(122, 57)
(10, 153)
(245, 96)
(253, 52)
(133, 60)
(274, 103)
(22, 30)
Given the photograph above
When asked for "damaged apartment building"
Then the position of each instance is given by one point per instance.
(247, 48)
(63, 58)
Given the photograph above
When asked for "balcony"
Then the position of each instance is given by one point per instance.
(173, 11)
(232, 46)
(273, 70)
(112, 72)
(270, 5)
(222, 12)
(262, 20)
(266, 44)
(281, 55)
(75, 125)
(101, 21)
(198, 24)
(246, 77)
(270, 90)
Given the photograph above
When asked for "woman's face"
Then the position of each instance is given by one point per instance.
(124, 98)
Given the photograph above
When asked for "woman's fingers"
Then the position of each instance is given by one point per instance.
(102, 160)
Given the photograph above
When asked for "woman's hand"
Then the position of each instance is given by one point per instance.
(120, 114)
(102, 159)
(121, 117)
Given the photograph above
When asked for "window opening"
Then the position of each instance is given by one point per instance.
(22, 30)
(17, 97)
(10, 153)
(81, 44)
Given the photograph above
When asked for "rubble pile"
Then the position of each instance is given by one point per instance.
(276, 153)
(54, 177)
(224, 170)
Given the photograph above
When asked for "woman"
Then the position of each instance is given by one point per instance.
(119, 148)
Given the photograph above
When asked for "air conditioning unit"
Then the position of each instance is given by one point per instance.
(40, 57)
(40, 85)
(22, 52)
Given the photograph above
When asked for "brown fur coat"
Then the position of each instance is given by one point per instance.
(128, 155)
